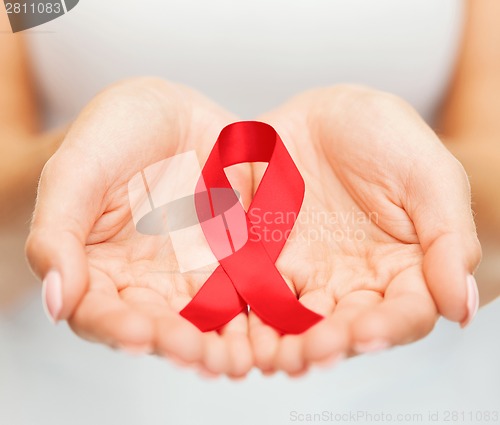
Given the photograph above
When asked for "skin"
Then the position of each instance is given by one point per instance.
(372, 290)
(129, 311)
(110, 294)
(82, 227)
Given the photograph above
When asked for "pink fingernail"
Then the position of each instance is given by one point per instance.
(472, 300)
(52, 295)
(371, 346)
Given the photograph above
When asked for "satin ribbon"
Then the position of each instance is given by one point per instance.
(249, 276)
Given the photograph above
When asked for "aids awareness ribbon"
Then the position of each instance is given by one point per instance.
(248, 277)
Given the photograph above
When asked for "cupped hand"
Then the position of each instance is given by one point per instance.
(100, 273)
(385, 241)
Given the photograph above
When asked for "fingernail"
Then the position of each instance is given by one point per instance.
(330, 361)
(52, 295)
(371, 346)
(472, 300)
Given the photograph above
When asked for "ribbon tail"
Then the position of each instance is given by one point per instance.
(215, 304)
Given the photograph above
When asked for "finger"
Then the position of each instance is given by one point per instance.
(406, 314)
(330, 340)
(209, 354)
(104, 317)
(178, 339)
(289, 356)
(212, 354)
(175, 338)
(264, 340)
(290, 353)
(215, 357)
(69, 198)
(439, 206)
(235, 333)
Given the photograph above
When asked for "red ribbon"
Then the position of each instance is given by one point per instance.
(249, 276)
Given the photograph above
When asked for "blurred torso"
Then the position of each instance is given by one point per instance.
(249, 56)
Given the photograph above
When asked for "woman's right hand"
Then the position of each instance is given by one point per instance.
(83, 242)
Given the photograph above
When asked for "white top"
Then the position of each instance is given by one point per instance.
(248, 56)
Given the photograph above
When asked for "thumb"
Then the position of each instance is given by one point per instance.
(440, 208)
(68, 200)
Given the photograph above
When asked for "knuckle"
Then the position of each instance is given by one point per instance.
(371, 99)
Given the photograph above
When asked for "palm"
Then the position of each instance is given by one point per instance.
(353, 255)
(135, 288)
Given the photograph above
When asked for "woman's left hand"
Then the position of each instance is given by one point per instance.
(386, 239)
